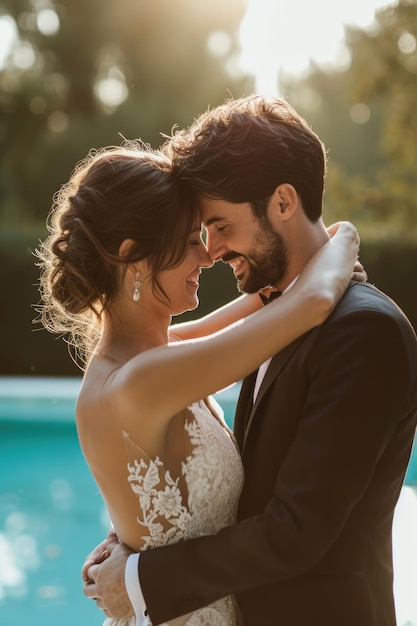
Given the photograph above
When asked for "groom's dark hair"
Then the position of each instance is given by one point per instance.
(243, 149)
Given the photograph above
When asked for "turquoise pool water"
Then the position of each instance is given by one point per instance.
(51, 514)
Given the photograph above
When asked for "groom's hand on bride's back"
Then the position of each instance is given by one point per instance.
(104, 580)
(99, 554)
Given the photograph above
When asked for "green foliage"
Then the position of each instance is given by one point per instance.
(150, 58)
(372, 176)
(391, 55)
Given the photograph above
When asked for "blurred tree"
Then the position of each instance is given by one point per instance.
(367, 116)
(384, 70)
(82, 71)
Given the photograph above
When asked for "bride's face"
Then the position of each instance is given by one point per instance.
(181, 283)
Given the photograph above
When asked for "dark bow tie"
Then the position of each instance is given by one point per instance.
(273, 295)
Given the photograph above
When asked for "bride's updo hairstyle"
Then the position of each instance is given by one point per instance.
(116, 193)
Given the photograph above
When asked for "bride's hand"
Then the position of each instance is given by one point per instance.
(359, 274)
(345, 226)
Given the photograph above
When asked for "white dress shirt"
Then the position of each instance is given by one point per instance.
(134, 590)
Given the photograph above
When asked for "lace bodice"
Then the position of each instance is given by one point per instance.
(202, 500)
(213, 477)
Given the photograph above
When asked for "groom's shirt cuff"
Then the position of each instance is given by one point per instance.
(134, 591)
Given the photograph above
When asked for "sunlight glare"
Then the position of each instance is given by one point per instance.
(405, 568)
(111, 91)
(219, 43)
(8, 37)
(47, 22)
(406, 43)
(282, 37)
(24, 56)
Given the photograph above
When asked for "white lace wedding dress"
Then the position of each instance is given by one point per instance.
(213, 476)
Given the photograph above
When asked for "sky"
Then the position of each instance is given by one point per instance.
(283, 35)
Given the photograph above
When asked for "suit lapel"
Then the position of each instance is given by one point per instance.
(244, 406)
(275, 368)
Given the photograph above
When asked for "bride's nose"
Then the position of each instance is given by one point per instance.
(205, 260)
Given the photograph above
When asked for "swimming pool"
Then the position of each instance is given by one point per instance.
(51, 514)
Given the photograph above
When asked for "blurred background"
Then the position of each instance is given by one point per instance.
(79, 74)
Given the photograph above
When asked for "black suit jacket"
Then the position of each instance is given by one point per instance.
(325, 449)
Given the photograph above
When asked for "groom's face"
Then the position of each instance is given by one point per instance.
(256, 253)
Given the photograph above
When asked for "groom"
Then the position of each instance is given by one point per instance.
(325, 428)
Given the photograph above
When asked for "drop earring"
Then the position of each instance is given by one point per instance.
(136, 286)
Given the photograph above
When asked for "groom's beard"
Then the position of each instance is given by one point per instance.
(267, 261)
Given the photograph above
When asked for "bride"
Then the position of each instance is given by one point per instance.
(124, 255)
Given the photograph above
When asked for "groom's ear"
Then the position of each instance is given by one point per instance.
(283, 204)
